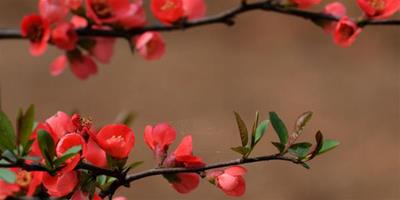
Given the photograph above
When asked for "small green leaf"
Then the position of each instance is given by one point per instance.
(46, 145)
(328, 145)
(71, 152)
(260, 131)
(134, 165)
(244, 135)
(25, 124)
(305, 165)
(279, 127)
(9, 155)
(27, 148)
(254, 128)
(241, 150)
(300, 149)
(279, 146)
(7, 175)
(7, 135)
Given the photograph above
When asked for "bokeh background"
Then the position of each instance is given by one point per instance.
(266, 62)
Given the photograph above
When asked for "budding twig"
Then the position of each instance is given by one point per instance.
(226, 18)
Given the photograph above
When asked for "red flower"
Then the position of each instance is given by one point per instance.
(185, 182)
(194, 9)
(305, 3)
(159, 138)
(67, 142)
(61, 184)
(8, 189)
(37, 30)
(64, 36)
(117, 140)
(73, 4)
(346, 32)
(106, 11)
(53, 10)
(82, 66)
(379, 9)
(167, 11)
(183, 157)
(103, 49)
(61, 123)
(150, 45)
(336, 9)
(230, 180)
(95, 155)
(135, 17)
(36, 180)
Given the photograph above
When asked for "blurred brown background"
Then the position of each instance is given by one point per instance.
(266, 62)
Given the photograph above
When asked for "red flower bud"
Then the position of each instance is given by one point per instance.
(150, 45)
(346, 32)
(117, 140)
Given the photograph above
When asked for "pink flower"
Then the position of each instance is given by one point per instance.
(185, 182)
(183, 157)
(116, 140)
(61, 184)
(61, 123)
(159, 138)
(150, 45)
(194, 9)
(53, 10)
(73, 4)
(106, 11)
(230, 180)
(379, 9)
(95, 155)
(103, 49)
(346, 32)
(7, 189)
(64, 36)
(66, 142)
(306, 3)
(336, 9)
(37, 30)
(167, 11)
(135, 17)
(82, 66)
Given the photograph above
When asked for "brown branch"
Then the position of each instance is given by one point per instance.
(161, 171)
(226, 17)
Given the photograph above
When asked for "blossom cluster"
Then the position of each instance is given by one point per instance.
(58, 22)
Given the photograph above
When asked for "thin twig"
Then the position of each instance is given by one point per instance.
(226, 18)
(161, 171)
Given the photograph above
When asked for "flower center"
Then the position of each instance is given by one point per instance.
(23, 178)
(347, 31)
(377, 4)
(168, 5)
(102, 9)
(35, 33)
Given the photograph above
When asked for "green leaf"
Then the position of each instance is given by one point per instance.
(7, 175)
(305, 165)
(279, 146)
(25, 124)
(328, 145)
(46, 145)
(319, 139)
(254, 128)
(9, 155)
(241, 150)
(242, 129)
(260, 131)
(71, 152)
(279, 127)
(7, 135)
(300, 149)
(133, 165)
(26, 149)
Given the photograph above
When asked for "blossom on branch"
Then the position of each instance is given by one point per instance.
(379, 9)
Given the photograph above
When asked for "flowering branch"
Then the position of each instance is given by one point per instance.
(199, 170)
(223, 18)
